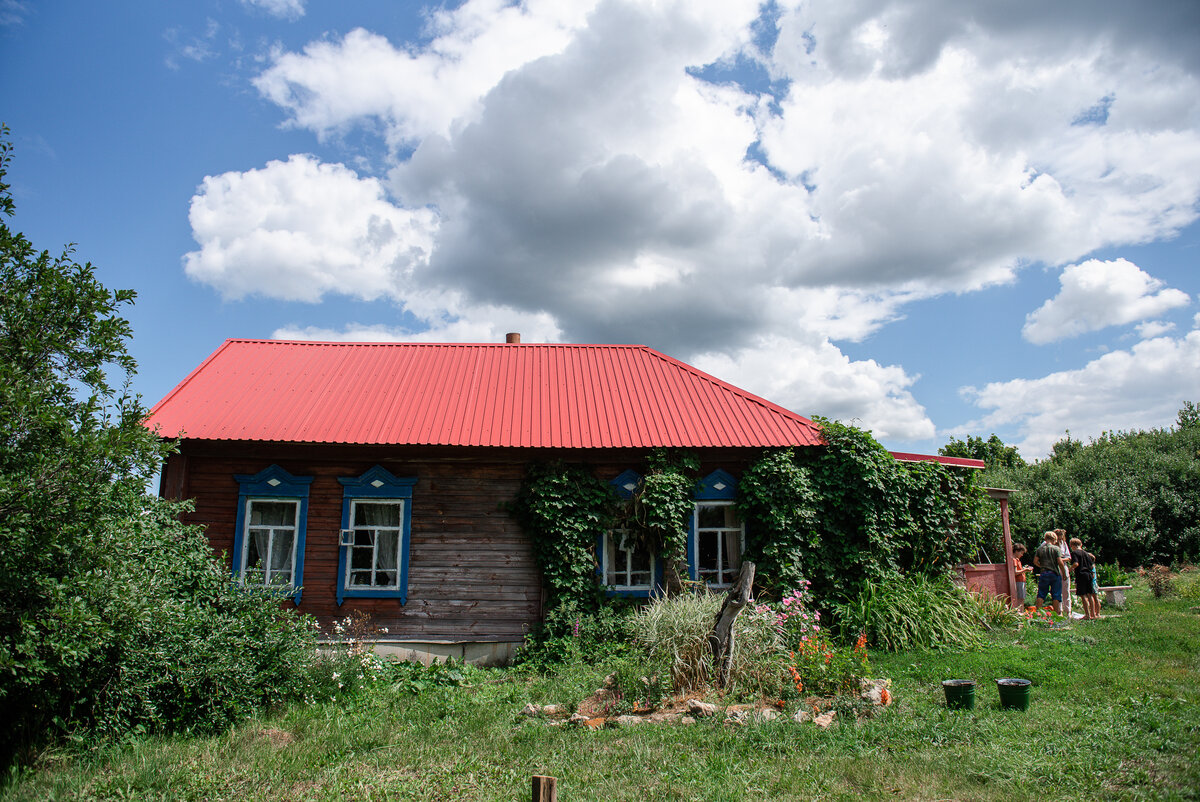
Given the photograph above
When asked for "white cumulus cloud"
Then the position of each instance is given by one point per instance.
(1096, 294)
(299, 229)
(663, 172)
(1140, 388)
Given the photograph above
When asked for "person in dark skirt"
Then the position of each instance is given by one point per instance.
(1084, 565)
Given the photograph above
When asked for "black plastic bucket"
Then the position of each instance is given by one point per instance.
(1014, 693)
(960, 693)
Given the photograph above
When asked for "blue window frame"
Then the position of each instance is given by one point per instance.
(716, 536)
(623, 567)
(268, 541)
(373, 545)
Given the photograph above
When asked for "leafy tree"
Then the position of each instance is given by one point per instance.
(104, 595)
(993, 451)
(1132, 496)
(1189, 415)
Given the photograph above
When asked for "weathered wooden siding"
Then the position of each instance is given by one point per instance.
(472, 575)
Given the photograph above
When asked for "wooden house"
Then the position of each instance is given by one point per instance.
(373, 476)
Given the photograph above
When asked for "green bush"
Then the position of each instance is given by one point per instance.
(183, 649)
(568, 634)
(1109, 574)
(818, 667)
(911, 612)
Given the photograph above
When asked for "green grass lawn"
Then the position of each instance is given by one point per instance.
(1115, 715)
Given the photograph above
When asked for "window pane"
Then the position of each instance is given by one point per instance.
(257, 547)
(711, 516)
(386, 579)
(361, 558)
(364, 537)
(376, 514)
(639, 560)
(281, 553)
(385, 555)
(707, 548)
(639, 578)
(272, 513)
(360, 579)
(253, 572)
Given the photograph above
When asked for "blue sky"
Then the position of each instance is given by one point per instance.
(931, 218)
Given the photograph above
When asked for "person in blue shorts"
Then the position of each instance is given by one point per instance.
(1049, 562)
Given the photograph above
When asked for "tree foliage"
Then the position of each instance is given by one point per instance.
(993, 451)
(111, 612)
(1129, 496)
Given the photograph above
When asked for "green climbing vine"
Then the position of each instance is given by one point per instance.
(565, 509)
(837, 516)
(661, 507)
(877, 517)
(778, 506)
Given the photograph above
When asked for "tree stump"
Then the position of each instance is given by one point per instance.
(721, 637)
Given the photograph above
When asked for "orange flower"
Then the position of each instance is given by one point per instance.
(885, 697)
(861, 643)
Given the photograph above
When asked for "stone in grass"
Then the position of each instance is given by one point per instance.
(825, 719)
(701, 709)
(802, 716)
(549, 711)
(628, 721)
(578, 719)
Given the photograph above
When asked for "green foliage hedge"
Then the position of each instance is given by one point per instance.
(1132, 497)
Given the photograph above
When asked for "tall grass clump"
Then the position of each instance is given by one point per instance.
(912, 612)
(673, 632)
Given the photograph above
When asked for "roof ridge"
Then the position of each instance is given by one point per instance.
(393, 343)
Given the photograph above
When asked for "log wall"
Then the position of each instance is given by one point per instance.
(472, 575)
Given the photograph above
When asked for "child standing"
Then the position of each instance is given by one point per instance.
(1020, 571)
(1085, 571)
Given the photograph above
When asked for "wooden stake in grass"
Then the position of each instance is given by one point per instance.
(721, 638)
(545, 789)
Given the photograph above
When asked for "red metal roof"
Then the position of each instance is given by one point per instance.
(954, 462)
(516, 395)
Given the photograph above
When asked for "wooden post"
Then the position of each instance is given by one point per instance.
(721, 637)
(1001, 495)
(545, 789)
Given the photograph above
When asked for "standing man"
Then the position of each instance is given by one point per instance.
(1050, 564)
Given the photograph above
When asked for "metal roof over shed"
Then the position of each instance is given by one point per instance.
(507, 395)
